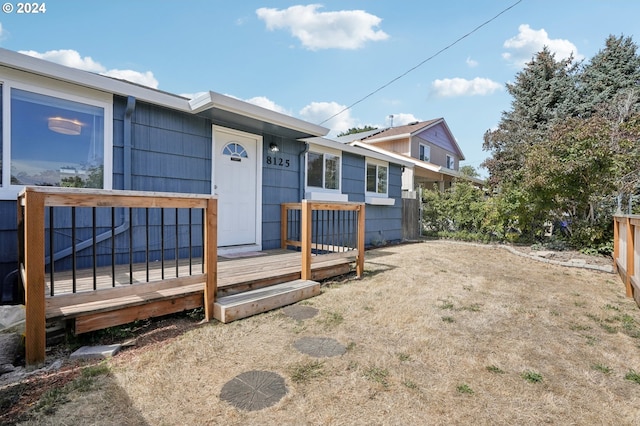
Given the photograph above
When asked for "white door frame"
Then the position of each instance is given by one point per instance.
(258, 160)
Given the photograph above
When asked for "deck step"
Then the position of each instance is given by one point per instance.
(242, 305)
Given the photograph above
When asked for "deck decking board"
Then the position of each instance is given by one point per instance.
(127, 302)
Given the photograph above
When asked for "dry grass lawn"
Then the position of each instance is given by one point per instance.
(436, 333)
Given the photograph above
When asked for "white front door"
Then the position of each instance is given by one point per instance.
(235, 182)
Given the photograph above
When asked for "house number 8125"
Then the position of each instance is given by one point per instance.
(281, 162)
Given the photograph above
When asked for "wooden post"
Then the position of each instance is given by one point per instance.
(33, 276)
(211, 257)
(361, 228)
(283, 226)
(630, 261)
(306, 219)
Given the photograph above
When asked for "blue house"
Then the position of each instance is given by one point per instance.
(65, 127)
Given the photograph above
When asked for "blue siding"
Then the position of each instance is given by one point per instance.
(280, 184)
(383, 223)
(8, 238)
(170, 150)
(353, 175)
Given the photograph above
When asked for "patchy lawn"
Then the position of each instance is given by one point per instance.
(435, 333)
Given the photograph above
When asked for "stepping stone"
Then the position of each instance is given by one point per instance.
(87, 352)
(320, 347)
(300, 312)
(254, 390)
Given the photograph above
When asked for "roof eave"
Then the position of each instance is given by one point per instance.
(359, 149)
(212, 100)
(26, 63)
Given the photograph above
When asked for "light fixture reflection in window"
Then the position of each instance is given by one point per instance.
(65, 126)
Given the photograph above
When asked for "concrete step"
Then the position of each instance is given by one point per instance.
(242, 305)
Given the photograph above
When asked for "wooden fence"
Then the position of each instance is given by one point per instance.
(35, 211)
(626, 252)
(322, 230)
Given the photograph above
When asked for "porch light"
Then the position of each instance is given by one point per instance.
(274, 147)
(65, 126)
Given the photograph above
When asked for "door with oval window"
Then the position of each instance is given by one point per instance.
(235, 183)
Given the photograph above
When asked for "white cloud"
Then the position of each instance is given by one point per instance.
(267, 103)
(453, 87)
(73, 59)
(346, 29)
(143, 78)
(317, 112)
(471, 63)
(528, 42)
(3, 32)
(69, 58)
(401, 119)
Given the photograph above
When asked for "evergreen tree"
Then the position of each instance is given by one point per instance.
(613, 72)
(543, 94)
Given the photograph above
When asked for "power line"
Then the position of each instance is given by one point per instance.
(422, 63)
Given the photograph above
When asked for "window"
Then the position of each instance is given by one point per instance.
(54, 139)
(377, 178)
(323, 171)
(425, 152)
(451, 163)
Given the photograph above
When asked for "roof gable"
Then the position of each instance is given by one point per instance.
(434, 131)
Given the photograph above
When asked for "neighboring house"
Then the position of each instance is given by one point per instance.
(428, 145)
(65, 127)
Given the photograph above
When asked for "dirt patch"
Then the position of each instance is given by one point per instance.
(435, 333)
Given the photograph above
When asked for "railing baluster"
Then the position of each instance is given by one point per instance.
(162, 241)
(94, 248)
(190, 242)
(113, 246)
(177, 244)
(202, 212)
(146, 231)
(130, 246)
(52, 261)
(73, 250)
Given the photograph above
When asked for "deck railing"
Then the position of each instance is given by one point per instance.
(626, 252)
(177, 244)
(324, 230)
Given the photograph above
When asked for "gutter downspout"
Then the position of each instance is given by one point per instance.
(301, 181)
(127, 141)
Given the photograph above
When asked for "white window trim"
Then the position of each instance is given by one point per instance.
(377, 198)
(52, 88)
(453, 160)
(426, 147)
(323, 194)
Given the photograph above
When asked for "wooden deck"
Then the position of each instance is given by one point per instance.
(174, 293)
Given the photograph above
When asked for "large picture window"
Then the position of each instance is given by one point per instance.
(323, 170)
(56, 142)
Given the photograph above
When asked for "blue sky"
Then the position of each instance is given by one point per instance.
(312, 60)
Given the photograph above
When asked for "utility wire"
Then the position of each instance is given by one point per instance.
(422, 63)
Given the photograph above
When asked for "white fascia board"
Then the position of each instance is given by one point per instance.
(227, 103)
(358, 148)
(26, 63)
(375, 140)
